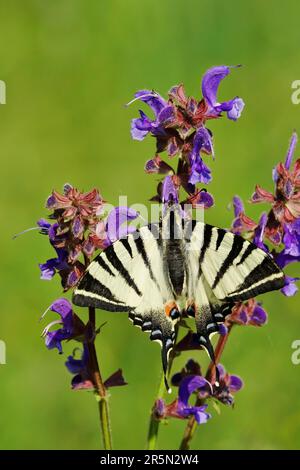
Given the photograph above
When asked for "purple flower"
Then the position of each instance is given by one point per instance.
(210, 84)
(80, 369)
(202, 142)
(156, 102)
(82, 379)
(291, 241)
(141, 126)
(238, 206)
(190, 379)
(157, 165)
(72, 326)
(248, 313)
(200, 173)
(259, 233)
(169, 191)
(117, 223)
(291, 150)
(187, 386)
(53, 265)
(180, 407)
(227, 386)
(201, 199)
(290, 287)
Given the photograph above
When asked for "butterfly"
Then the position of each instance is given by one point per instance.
(164, 269)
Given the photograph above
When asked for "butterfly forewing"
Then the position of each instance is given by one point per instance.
(130, 276)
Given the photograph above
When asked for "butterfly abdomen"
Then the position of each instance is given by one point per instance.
(174, 258)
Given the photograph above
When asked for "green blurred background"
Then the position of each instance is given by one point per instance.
(69, 67)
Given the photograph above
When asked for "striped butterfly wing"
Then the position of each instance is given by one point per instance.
(129, 276)
(224, 268)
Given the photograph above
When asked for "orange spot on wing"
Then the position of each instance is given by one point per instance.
(169, 307)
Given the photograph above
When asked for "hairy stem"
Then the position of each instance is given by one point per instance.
(100, 389)
(211, 376)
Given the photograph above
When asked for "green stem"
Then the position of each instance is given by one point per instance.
(211, 376)
(154, 422)
(99, 387)
(105, 423)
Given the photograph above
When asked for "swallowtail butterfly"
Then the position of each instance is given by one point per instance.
(161, 269)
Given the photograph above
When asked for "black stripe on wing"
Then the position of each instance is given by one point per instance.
(114, 260)
(236, 249)
(221, 235)
(265, 277)
(250, 248)
(83, 300)
(207, 235)
(139, 243)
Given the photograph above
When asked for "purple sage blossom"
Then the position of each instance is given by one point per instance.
(210, 84)
(117, 223)
(71, 325)
(180, 408)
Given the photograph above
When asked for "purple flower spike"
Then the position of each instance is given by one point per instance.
(117, 223)
(291, 150)
(210, 85)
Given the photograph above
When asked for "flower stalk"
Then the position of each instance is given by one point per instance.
(211, 376)
(100, 389)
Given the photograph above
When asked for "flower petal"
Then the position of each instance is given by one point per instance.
(235, 383)
(238, 206)
(291, 150)
(116, 218)
(211, 81)
(237, 106)
(261, 195)
(152, 99)
(169, 191)
(200, 173)
(188, 385)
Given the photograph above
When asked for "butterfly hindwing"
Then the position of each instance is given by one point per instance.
(224, 268)
(129, 276)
